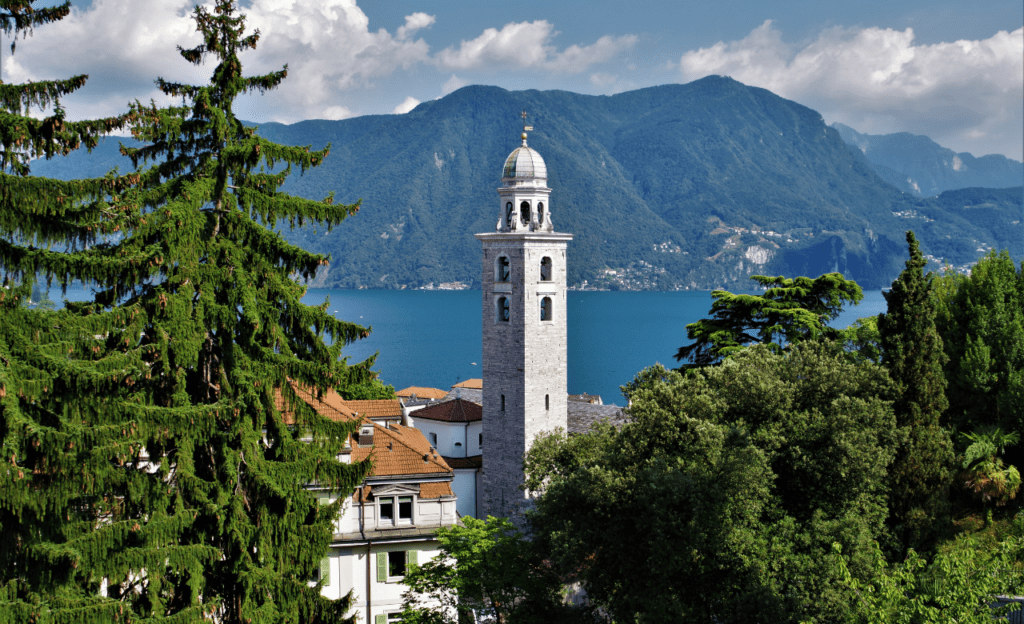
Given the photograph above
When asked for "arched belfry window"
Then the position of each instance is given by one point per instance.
(545, 309)
(504, 271)
(524, 212)
(510, 213)
(545, 269)
(540, 212)
(503, 309)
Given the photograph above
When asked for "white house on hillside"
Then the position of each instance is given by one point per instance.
(389, 522)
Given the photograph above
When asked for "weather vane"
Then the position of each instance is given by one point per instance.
(526, 128)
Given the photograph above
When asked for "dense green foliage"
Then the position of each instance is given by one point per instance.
(981, 320)
(149, 473)
(960, 585)
(487, 571)
(691, 166)
(720, 498)
(789, 311)
(912, 353)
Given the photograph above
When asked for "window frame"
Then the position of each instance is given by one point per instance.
(547, 313)
(502, 262)
(395, 502)
(502, 309)
(550, 269)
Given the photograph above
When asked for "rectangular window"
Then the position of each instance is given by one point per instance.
(405, 509)
(396, 563)
(387, 509)
(395, 617)
(433, 440)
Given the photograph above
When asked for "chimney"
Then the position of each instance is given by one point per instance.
(366, 435)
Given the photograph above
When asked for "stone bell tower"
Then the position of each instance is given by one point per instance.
(524, 328)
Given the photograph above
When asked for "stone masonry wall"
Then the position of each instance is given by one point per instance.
(524, 359)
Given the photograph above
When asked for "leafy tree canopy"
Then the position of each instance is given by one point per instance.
(789, 311)
(487, 571)
(722, 494)
(960, 585)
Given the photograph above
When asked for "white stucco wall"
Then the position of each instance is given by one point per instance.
(464, 486)
(348, 573)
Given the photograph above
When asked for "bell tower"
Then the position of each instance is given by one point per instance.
(524, 328)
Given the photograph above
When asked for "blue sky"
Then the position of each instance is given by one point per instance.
(951, 70)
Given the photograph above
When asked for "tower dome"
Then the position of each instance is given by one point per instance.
(524, 163)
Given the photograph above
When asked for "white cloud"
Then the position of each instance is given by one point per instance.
(602, 80)
(337, 112)
(327, 44)
(965, 94)
(413, 23)
(527, 45)
(406, 106)
(453, 84)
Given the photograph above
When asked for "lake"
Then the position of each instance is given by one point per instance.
(432, 338)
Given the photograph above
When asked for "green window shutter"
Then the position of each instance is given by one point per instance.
(381, 619)
(382, 567)
(410, 559)
(325, 570)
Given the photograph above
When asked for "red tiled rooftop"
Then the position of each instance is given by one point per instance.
(399, 450)
(375, 408)
(456, 410)
(421, 392)
(475, 384)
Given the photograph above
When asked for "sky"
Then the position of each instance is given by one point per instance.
(951, 70)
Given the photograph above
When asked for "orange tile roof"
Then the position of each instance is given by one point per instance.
(421, 392)
(476, 384)
(399, 450)
(330, 405)
(376, 408)
(396, 450)
(456, 410)
(436, 490)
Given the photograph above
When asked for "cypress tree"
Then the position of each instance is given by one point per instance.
(150, 473)
(912, 352)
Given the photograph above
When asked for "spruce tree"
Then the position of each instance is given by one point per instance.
(912, 352)
(150, 472)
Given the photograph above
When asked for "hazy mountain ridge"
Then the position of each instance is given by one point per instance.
(696, 185)
(918, 165)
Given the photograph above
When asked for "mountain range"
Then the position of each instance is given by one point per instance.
(678, 186)
(915, 164)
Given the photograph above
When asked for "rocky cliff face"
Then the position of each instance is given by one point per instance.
(922, 167)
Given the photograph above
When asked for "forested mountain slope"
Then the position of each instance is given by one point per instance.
(920, 166)
(677, 186)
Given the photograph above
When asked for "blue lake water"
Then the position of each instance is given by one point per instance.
(432, 338)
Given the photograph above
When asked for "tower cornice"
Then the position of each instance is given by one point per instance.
(539, 237)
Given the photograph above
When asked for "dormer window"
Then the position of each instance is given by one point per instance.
(394, 510)
(545, 269)
(524, 212)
